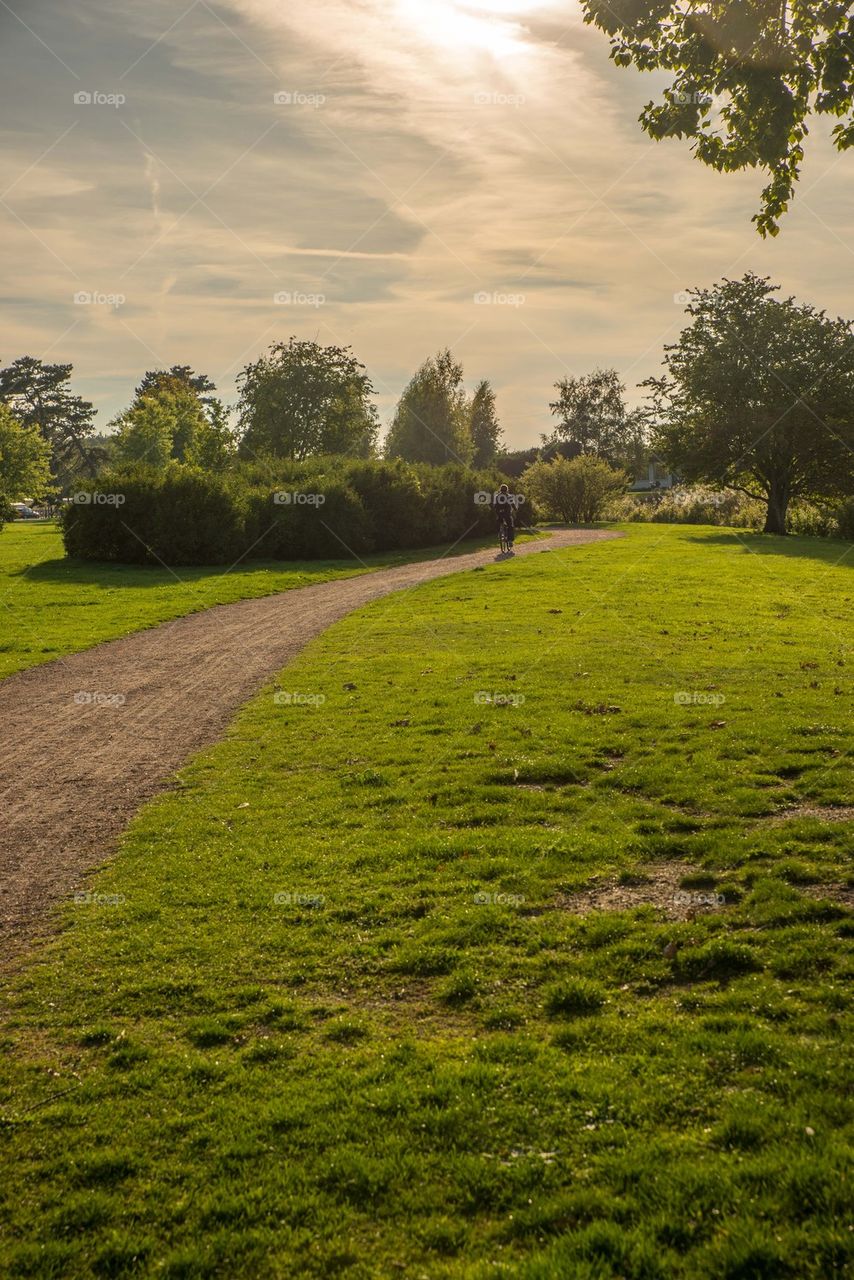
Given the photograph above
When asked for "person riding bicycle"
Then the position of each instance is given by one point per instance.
(505, 513)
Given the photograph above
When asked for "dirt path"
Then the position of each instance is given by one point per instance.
(89, 738)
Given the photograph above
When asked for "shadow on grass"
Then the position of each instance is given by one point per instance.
(828, 550)
(112, 574)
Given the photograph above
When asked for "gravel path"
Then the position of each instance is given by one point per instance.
(75, 768)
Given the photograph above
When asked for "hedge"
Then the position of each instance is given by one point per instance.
(320, 509)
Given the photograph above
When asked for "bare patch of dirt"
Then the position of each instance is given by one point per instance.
(659, 888)
(89, 738)
(841, 893)
(822, 813)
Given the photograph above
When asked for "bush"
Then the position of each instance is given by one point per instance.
(700, 505)
(814, 520)
(845, 521)
(575, 490)
(324, 508)
(144, 515)
(452, 509)
(390, 492)
(198, 519)
(695, 505)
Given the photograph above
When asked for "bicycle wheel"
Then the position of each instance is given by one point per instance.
(504, 539)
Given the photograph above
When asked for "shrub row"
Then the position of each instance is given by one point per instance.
(699, 505)
(324, 509)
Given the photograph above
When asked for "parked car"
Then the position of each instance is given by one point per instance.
(20, 511)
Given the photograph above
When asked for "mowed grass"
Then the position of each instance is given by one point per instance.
(334, 1009)
(51, 605)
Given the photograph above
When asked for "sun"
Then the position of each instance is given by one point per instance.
(474, 26)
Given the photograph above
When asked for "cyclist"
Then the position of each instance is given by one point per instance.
(505, 509)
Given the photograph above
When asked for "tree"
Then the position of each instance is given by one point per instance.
(24, 461)
(485, 427)
(302, 398)
(758, 395)
(39, 396)
(146, 432)
(432, 422)
(214, 444)
(170, 422)
(182, 376)
(573, 489)
(593, 418)
(748, 76)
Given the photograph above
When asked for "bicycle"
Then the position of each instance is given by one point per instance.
(505, 537)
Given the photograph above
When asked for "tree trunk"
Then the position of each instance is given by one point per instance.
(778, 506)
(86, 458)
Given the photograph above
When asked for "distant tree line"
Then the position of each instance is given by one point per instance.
(757, 395)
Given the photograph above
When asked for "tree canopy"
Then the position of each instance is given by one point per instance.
(758, 395)
(24, 461)
(485, 427)
(170, 421)
(433, 418)
(198, 382)
(301, 399)
(593, 418)
(747, 77)
(39, 396)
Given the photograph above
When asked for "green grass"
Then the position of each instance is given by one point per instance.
(51, 606)
(341, 1020)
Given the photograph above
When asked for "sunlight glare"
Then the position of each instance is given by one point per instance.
(476, 26)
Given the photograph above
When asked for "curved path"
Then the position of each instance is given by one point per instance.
(89, 738)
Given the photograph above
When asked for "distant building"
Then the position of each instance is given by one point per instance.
(657, 477)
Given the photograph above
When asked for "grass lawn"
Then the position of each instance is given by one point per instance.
(340, 1008)
(51, 606)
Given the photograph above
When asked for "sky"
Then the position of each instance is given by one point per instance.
(188, 184)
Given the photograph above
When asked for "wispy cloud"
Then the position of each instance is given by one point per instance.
(154, 187)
